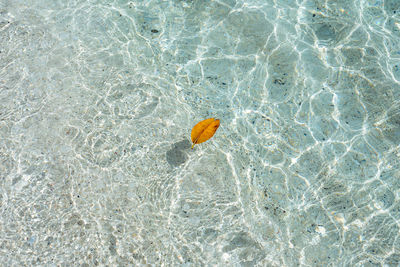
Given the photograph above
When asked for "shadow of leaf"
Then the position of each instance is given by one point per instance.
(177, 155)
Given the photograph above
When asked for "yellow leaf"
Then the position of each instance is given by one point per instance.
(204, 130)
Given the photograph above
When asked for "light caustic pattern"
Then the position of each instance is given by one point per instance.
(98, 99)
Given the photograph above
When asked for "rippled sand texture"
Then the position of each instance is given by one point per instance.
(97, 100)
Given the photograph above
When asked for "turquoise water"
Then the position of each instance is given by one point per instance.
(98, 98)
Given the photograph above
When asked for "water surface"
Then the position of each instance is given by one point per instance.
(97, 100)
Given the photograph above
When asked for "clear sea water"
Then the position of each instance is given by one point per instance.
(98, 98)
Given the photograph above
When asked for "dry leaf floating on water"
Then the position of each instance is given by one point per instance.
(204, 130)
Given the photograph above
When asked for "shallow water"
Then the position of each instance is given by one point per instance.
(97, 100)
